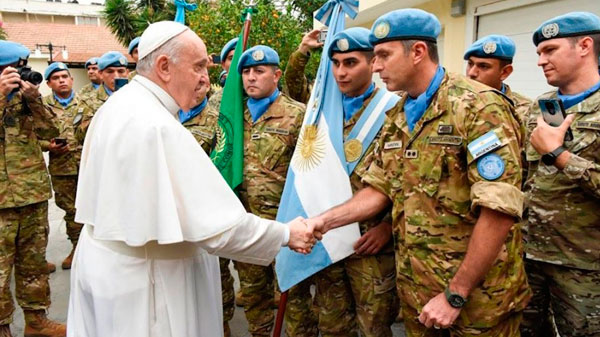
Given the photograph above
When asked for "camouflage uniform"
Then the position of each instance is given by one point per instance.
(436, 191)
(131, 75)
(90, 104)
(563, 229)
(521, 103)
(268, 146)
(203, 128)
(296, 84)
(24, 191)
(86, 90)
(64, 168)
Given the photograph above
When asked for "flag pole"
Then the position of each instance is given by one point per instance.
(280, 313)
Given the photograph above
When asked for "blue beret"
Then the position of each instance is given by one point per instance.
(492, 46)
(258, 55)
(351, 39)
(54, 67)
(567, 25)
(112, 59)
(405, 24)
(90, 62)
(12, 52)
(133, 44)
(229, 46)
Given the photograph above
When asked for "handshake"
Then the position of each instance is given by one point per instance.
(304, 233)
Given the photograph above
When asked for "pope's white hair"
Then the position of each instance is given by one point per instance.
(171, 49)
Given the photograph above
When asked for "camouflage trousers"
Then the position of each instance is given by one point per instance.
(300, 313)
(505, 328)
(65, 188)
(569, 295)
(257, 284)
(359, 289)
(23, 240)
(227, 292)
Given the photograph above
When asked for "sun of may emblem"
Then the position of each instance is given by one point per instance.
(310, 149)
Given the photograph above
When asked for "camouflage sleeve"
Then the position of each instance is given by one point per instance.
(82, 126)
(584, 172)
(502, 194)
(374, 175)
(2, 106)
(296, 84)
(44, 120)
(44, 144)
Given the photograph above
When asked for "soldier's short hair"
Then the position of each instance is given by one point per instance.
(432, 50)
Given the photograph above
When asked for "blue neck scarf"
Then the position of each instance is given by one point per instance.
(96, 86)
(64, 101)
(503, 89)
(353, 104)
(108, 91)
(258, 107)
(414, 108)
(570, 100)
(185, 116)
(10, 96)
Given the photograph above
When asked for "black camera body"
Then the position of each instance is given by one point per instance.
(29, 75)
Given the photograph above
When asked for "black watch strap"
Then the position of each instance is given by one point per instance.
(550, 158)
(455, 300)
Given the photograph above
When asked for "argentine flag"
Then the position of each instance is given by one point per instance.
(318, 177)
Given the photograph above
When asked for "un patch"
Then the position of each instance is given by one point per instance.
(491, 166)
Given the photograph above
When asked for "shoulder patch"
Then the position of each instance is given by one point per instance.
(484, 144)
(491, 166)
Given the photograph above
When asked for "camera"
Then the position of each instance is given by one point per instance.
(550, 108)
(29, 75)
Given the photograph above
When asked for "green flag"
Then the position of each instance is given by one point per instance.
(228, 155)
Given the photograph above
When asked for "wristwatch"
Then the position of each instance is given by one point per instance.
(455, 300)
(550, 158)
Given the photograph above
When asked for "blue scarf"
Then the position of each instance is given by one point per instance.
(65, 101)
(10, 96)
(414, 108)
(570, 100)
(108, 91)
(353, 104)
(503, 89)
(95, 85)
(185, 116)
(258, 107)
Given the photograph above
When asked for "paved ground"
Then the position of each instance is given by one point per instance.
(59, 247)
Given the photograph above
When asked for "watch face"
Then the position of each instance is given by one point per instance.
(456, 301)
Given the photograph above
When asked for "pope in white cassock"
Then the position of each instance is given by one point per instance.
(155, 208)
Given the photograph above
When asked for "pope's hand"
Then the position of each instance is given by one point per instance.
(301, 236)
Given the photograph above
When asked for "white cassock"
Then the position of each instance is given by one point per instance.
(154, 208)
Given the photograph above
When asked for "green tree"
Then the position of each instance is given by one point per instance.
(128, 18)
(3, 35)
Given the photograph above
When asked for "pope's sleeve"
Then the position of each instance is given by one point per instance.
(493, 117)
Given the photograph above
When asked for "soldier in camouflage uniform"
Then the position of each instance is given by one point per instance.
(64, 157)
(24, 194)
(133, 51)
(91, 66)
(563, 185)
(111, 65)
(202, 123)
(360, 289)
(450, 164)
(272, 123)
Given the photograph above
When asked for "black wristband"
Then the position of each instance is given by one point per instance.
(550, 158)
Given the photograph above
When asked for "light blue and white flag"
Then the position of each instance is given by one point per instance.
(318, 177)
(182, 6)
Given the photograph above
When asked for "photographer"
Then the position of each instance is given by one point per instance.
(563, 222)
(24, 194)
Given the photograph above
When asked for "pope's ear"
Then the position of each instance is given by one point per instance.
(161, 67)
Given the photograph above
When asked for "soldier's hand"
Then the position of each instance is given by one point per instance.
(30, 91)
(9, 80)
(301, 236)
(310, 41)
(58, 148)
(374, 239)
(318, 227)
(438, 313)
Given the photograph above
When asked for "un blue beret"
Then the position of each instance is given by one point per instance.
(229, 46)
(12, 52)
(349, 40)
(492, 46)
(567, 25)
(405, 24)
(54, 67)
(112, 59)
(258, 55)
(133, 44)
(92, 61)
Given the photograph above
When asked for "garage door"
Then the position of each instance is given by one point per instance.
(519, 24)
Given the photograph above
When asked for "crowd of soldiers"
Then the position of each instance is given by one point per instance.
(476, 216)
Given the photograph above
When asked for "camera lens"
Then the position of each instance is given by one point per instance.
(30, 76)
(550, 108)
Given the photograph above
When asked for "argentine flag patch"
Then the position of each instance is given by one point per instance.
(484, 144)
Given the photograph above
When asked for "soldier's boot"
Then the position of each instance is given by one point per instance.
(239, 299)
(38, 325)
(66, 264)
(5, 331)
(226, 330)
(51, 267)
